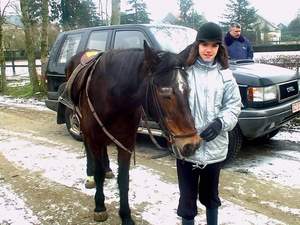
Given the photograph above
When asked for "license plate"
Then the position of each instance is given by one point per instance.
(295, 107)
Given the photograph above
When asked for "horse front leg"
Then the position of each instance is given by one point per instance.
(90, 181)
(123, 183)
(100, 213)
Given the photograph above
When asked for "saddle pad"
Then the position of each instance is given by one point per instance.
(88, 56)
(78, 78)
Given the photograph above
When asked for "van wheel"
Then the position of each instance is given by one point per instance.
(235, 143)
(273, 133)
(73, 125)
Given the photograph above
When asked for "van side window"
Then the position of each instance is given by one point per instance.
(69, 47)
(129, 39)
(97, 40)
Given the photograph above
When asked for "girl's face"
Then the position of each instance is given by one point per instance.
(208, 51)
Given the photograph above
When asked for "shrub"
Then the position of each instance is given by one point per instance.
(286, 61)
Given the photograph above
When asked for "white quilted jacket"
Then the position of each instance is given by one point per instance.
(214, 93)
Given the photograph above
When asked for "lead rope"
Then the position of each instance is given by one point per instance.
(101, 124)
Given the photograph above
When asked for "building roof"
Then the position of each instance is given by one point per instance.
(14, 19)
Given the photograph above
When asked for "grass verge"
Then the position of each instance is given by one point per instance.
(24, 91)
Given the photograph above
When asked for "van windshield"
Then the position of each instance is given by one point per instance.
(174, 39)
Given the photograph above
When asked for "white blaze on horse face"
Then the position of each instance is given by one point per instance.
(181, 81)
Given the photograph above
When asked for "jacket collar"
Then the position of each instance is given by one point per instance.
(209, 65)
(229, 39)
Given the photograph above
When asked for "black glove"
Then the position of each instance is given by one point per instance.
(212, 131)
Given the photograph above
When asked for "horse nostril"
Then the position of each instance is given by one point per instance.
(188, 150)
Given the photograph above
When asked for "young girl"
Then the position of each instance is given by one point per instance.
(215, 104)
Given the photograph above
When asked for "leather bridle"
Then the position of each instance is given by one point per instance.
(166, 130)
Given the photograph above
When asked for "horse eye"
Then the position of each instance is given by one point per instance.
(166, 92)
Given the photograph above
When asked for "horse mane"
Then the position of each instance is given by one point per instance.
(129, 61)
(120, 62)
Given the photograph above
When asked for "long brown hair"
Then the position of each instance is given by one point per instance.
(221, 57)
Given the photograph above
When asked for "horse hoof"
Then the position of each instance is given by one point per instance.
(100, 216)
(90, 182)
(109, 175)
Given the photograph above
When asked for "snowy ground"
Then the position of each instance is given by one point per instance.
(67, 168)
(161, 197)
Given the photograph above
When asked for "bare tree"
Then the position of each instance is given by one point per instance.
(44, 42)
(115, 12)
(29, 47)
(3, 80)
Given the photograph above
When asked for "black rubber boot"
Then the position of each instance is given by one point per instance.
(188, 222)
(212, 216)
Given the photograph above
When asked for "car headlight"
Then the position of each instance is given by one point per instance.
(261, 94)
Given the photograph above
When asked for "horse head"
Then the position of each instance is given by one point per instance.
(166, 91)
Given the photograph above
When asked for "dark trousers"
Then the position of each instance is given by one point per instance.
(192, 182)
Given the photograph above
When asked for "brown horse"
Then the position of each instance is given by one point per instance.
(109, 92)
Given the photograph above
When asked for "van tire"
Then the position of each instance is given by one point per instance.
(235, 143)
(72, 123)
(273, 133)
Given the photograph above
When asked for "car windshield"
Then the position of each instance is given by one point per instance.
(174, 39)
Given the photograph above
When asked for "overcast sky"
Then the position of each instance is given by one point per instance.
(274, 11)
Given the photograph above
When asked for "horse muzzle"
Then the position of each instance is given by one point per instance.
(183, 149)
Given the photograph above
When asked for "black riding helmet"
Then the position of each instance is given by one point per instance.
(210, 32)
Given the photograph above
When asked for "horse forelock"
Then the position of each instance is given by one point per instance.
(168, 62)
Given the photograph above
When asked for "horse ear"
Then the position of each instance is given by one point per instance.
(151, 57)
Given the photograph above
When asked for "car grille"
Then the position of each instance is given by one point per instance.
(288, 90)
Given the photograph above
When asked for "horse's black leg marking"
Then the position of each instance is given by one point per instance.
(99, 179)
(90, 167)
(89, 163)
(106, 160)
(123, 183)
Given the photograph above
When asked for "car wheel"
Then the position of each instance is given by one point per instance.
(273, 133)
(73, 125)
(235, 143)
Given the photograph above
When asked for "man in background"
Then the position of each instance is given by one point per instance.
(238, 46)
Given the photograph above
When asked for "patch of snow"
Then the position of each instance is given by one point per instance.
(13, 209)
(60, 165)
